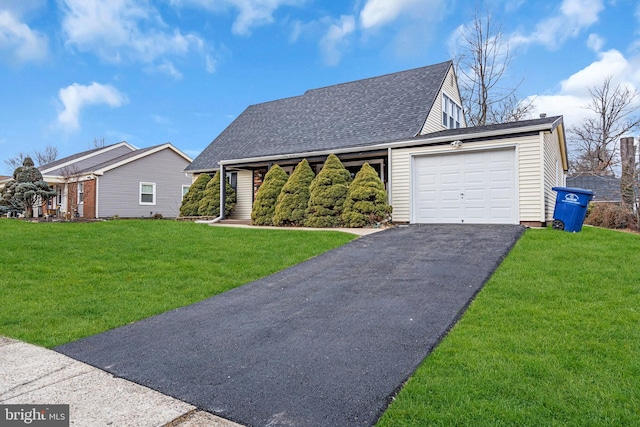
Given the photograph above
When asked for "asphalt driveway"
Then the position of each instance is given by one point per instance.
(325, 343)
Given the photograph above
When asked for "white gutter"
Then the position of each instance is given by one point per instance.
(398, 144)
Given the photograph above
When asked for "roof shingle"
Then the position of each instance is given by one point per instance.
(363, 112)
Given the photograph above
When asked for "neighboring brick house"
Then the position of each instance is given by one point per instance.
(118, 180)
(409, 126)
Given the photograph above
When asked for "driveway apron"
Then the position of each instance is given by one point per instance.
(324, 343)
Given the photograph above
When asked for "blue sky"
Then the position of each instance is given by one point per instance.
(179, 71)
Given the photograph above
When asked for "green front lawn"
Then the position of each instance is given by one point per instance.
(552, 340)
(63, 281)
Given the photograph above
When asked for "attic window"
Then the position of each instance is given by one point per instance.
(451, 113)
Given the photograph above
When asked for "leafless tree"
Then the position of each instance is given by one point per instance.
(71, 176)
(17, 160)
(482, 57)
(595, 140)
(97, 143)
(48, 155)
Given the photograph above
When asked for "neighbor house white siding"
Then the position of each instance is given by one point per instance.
(529, 152)
(244, 195)
(119, 188)
(434, 120)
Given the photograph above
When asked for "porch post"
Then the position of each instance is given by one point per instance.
(223, 188)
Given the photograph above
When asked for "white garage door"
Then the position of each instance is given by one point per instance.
(476, 187)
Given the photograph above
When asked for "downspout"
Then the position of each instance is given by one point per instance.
(223, 185)
(223, 190)
(389, 174)
(96, 198)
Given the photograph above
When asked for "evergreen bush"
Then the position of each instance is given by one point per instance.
(293, 200)
(25, 190)
(191, 200)
(264, 206)
(366, 201)
(327, 193)
(210, 202)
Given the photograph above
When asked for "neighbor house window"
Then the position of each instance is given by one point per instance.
(147, 193)
(185, 190)
(80, 192)
(451, 113)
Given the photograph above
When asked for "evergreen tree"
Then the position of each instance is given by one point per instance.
(25, 189)
(210, 202)
(264, 206)
(293, 200)
(191, 200)
(366, 202)
(327, 193)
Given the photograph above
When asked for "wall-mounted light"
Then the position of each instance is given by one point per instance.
(456, 144)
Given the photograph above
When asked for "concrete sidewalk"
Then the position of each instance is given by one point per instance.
(34, 375)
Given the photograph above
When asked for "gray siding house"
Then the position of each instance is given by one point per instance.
(410, 127)
(119, 180)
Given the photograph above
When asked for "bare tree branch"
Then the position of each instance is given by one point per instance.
(482, 58)
(596, 138)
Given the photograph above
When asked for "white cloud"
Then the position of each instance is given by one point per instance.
(251, 13)
(119, 30)
(376, 13)
(168, 68)
(211, 64)
(571, 18)
(595, 42)
(335, 39)
(21, 43)
(76, 96)
(574, 96)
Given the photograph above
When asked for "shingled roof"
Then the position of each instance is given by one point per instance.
(359, 113)
(605, 188)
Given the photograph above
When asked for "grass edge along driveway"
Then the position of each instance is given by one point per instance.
(65, 281)
(552, 339)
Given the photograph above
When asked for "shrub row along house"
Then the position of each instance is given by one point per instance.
(329, 199)
(410, 128)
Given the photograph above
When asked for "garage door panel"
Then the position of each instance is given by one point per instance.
(472, 187)
(448, 196)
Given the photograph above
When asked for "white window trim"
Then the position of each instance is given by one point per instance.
(184, 186)
(455, 112)
(140, 202)
(80, 192)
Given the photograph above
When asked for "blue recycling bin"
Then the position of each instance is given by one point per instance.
(571, 208)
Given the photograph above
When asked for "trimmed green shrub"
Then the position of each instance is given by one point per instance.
(210, 203)
(294, 198)
(327, 193)
(366, 202)
(264, 207)
(191, 200)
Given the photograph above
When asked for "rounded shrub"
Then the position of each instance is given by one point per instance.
(264, 206)
(327, 193)
(366, 201)
(210, 202)
(293, 200)
(191, 200)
